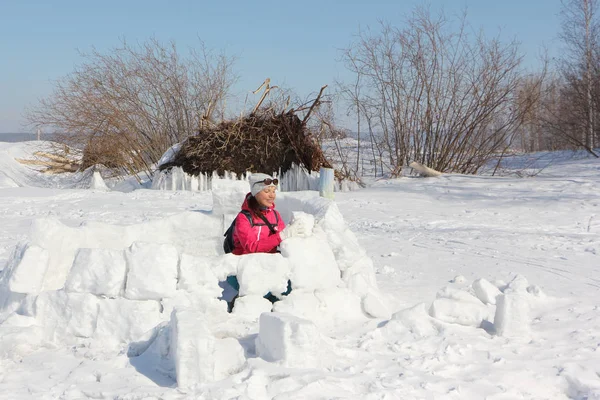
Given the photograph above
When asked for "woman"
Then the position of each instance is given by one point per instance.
(260, 229)
(266, 230)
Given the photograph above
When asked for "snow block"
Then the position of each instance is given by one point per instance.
(512, 315)
(12, 301)
(251, 307)
(199, 357)
(27, 269)
(97, 271)
(196, 274)
(360, 276)
(485, 291)
(152, 271)
(61, 242)
(312, 263)
(260, 273)
(340, 304)
(459, 312)
(329, 309)
(228, 195)
(303, 304)
(304, 219)
(326, 308)
(374, 306)
(124, 321)
(64, 315)
(458, 295)
(414, 321)
(459, 307)
(293, 341)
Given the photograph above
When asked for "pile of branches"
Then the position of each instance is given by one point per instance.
(263, 141)
(58, 161)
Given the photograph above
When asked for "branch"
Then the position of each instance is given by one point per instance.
(268, 88)
(313, 105)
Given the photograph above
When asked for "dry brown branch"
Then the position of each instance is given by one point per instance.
(315, 103)
(267, 85)
(57, 170)
(67, 167)
(53, 163)
(54, 157)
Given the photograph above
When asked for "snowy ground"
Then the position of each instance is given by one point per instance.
(493, 285)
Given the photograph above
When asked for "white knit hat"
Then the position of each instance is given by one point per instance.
(257, 183)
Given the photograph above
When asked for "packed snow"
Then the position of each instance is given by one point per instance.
(455, 287)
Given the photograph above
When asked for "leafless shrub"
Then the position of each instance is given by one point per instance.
(431, 93)
(127, 107)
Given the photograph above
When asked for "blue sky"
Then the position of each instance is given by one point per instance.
(296, 44)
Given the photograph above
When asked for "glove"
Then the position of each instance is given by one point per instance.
(294, 229)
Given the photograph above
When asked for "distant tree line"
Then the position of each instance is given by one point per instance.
(566, 113)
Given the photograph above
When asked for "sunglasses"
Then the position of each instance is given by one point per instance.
(269, 181)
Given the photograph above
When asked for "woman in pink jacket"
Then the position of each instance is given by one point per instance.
(267, 229)
(257, 236)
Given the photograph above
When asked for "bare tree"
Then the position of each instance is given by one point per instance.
(578, 66)
(530, 96)
(125, 108)
(435, 94)
(560, 116)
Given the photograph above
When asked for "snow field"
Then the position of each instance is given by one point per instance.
(463, 243)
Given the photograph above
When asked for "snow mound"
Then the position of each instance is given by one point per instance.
(15, 174)
(154, 288)
(7, 182)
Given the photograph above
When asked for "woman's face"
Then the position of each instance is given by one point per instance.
(266, 197)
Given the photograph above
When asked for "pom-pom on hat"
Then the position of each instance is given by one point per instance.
(259, 181)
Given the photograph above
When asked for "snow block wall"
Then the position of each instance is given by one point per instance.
(156, 288)
(101, 281)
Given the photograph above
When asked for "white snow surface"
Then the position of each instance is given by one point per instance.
(456, 287)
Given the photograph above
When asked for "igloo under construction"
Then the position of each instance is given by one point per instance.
(155, 289)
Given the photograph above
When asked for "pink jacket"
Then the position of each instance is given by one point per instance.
(258, 238)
